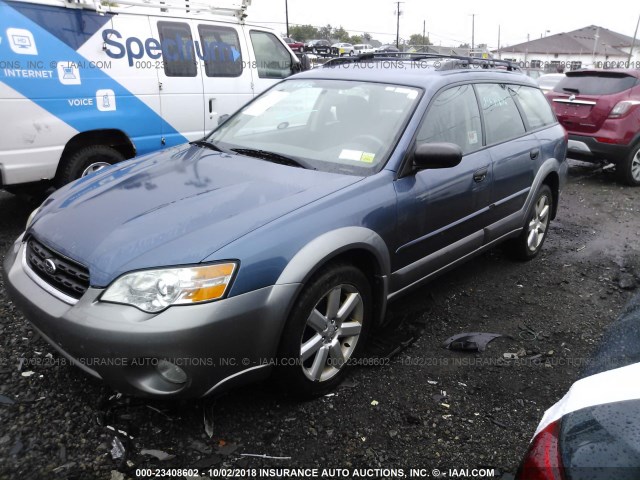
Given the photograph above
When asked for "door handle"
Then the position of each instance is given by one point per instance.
(534, 153)
(211, 112)
(480, 175)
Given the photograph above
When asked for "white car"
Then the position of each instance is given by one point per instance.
(363, 48)
(341, 49)
(549, 81)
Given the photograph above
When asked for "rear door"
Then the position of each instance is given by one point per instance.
(226, 75)
(513, 150)
(180, 81)
(583, 100)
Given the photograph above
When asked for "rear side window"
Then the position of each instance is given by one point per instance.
(177, 49)
(221, 51)
(273, 59)
(601, 83)
(453, 117)
(502, 120)
(534, 105)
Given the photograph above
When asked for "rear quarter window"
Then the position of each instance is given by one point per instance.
(534, 105)
(601, 83)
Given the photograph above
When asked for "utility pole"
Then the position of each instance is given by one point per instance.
(595, 45)
(398, 26)
(473, 32)
(633, 44)
(286, 12)
(424, 29)
(499, 52)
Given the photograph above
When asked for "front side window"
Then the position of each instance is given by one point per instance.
(330, 125)
(535, 106)
(178, 55)
(454, 117)
(502, 120)
(220, 51)
(272, 58)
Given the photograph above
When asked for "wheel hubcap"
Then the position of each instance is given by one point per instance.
(538, 224)
(94, 167)
(635, 167)
(331, 333)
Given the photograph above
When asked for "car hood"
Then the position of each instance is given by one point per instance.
(170, 208)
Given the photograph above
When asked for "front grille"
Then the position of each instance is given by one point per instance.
(69, 277)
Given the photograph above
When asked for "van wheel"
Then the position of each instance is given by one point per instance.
(86, 161)
(529, 243)
(328, 326)
(628, 171)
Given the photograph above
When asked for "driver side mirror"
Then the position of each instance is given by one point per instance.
(437, 155)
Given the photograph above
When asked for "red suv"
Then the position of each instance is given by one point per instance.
(601, 111)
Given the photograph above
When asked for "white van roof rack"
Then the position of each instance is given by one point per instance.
(234, 8)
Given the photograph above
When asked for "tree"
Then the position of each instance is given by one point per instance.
(325, 32)
(354, 40)
(303, 33)
(418, 39)
(340, 34)
(366, 37)
(464, 45)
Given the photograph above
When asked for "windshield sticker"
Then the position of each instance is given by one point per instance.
(357, 156)
(263, 104)
(473, 137)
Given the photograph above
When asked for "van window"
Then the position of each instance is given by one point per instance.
(220, 49)
(502, 119)
(177, 49)
(273, 59)
(454, 117)
(535, 106)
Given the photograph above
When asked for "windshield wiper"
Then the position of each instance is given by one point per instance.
(206, 144)
(269, 156)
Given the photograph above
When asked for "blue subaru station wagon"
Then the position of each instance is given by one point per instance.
(273, 245)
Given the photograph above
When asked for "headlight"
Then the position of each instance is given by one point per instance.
(154, 290)
(31, 217)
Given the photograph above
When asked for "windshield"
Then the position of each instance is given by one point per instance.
(329, 125)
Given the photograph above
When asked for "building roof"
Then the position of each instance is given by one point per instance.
(577, 42)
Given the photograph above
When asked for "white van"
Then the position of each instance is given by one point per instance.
(90, 83)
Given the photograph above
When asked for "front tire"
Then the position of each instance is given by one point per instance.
(628, 171)
(529, 243)
(85, 161)
(327, 327)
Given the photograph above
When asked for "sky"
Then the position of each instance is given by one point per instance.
(450, 22)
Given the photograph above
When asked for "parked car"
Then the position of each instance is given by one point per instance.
(548, 81)
(294, 45)
(342, 49)
(318, 47)
(601, 111)
(387, 49)
(274, 244)
(534, 73)
(363, 48)
(593, 432)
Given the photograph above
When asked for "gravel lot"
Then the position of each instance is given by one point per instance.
(426, 407)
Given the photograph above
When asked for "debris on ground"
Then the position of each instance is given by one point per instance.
(159, 454)
(470, 342)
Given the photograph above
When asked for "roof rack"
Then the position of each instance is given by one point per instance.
(457, 61)
(234, 8)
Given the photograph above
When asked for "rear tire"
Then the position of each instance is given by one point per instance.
(628, 171)
(327, 327)
(85, 161)
(529, 243)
